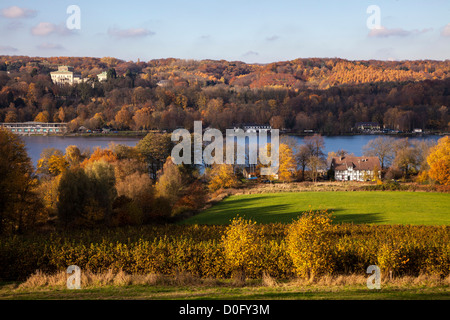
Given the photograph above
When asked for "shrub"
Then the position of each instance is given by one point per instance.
(422, 177)
(388, 186)
(221, 176)
(391, 257)
(242, 244)
(309, 242)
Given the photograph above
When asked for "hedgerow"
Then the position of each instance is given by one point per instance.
(278, 250)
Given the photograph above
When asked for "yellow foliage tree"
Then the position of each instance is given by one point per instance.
(376, 174)
(287, 167)
(73, 155)
(61, 114)
(57, 164)
(52, 162)
(308, 243)
(286, 162)
(242, 243)
(439, 162)
(20, 208)
(48, 191)
(42, 117)
(222, 176)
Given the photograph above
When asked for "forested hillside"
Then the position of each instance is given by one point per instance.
(328, 96)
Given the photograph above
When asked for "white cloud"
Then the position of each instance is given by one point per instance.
(43, 29)
(130, 33)
(446, 31)
(384, 32)
(47, 28)
(15, 12)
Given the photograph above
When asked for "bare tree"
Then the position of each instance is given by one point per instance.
(422, 149)
(315, 164)
(310, 155)
(381, 147)
(315, 144)
(302, 157)
(404, 156)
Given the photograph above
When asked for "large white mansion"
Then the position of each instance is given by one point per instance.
(65, 74)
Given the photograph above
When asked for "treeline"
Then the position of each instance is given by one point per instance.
(328, 96)
(115, 186)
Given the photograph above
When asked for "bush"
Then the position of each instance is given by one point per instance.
(242, 245)
(392, 256)
(221, 176)
(389, 186)
(309, 242)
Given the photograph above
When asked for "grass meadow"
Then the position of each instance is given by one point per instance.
(288, 292)
(110, 286)
(361, 207)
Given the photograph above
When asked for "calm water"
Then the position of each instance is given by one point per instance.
(35, 144)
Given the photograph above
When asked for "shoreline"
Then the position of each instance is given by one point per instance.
(134, 134)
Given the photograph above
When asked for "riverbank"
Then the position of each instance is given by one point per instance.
(282, 133)
(139, 134)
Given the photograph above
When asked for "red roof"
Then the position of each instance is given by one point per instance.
(357, 163)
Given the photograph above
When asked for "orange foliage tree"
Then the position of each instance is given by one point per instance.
(106, 155)
(439, 162)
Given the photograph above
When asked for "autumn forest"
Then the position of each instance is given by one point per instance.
(328, 96)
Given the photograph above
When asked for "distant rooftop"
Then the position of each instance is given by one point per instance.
(64, 69)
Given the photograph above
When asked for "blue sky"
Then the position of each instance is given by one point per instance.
(247, 30)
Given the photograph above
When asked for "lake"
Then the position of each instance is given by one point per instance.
(35, 144)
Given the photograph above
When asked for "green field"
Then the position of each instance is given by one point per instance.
(373, 207)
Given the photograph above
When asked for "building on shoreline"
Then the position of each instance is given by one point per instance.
(367, 126)
(254, 128)
(29, 128)
(351, 168)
